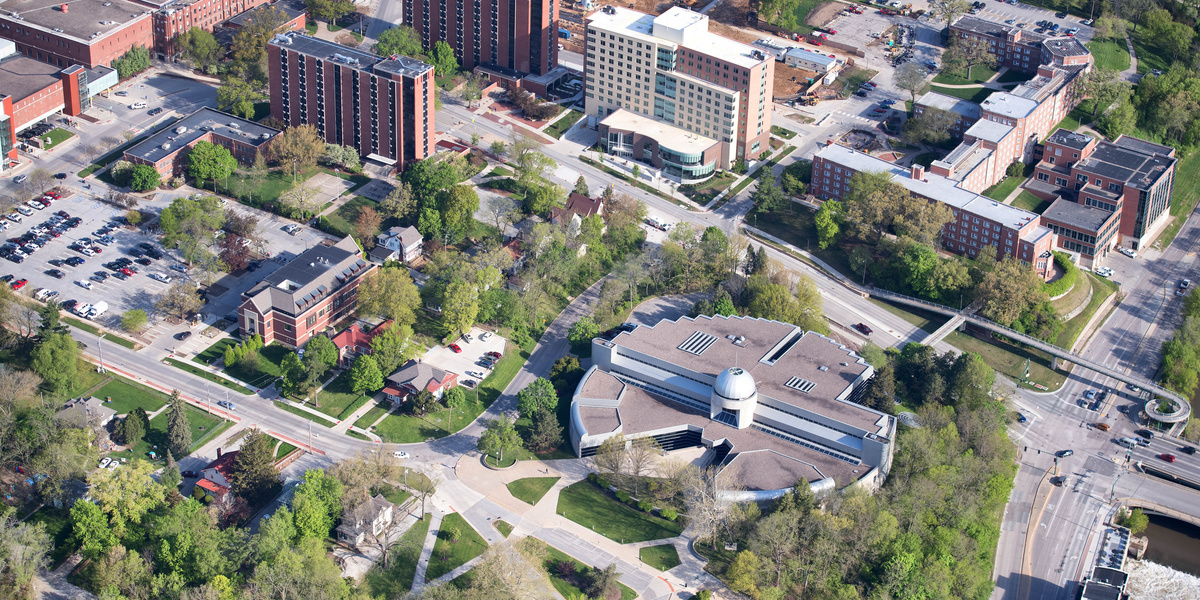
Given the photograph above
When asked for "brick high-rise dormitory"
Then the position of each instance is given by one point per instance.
(518, 35)
(382, 106)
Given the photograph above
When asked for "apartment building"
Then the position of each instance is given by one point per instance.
(167, 149)
(517, 36)
(773, 402)
(966, 112)
(315, 290)
(174, 17)
(383, 106)
(1015, 47)
(703, 88)
(1129, 180)
(978, 221)
(91, 33)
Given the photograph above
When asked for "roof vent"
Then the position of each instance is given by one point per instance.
(166, 146)
(801, 384)
(697, 343)
(822, 368)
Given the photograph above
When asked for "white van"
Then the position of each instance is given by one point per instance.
(1127, 442)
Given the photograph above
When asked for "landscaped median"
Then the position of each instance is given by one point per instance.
(304, 414)
(92, 329)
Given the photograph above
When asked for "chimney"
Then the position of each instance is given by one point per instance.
(218, 453)
(918, 172)
(64, 7)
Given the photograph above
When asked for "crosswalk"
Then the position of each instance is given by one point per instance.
(859, 117)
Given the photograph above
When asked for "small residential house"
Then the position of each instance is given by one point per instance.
(356, 339)
(216, 478)
(578, 208)
(372, 517)
(403, 244)
(414, 376)
(83, 412)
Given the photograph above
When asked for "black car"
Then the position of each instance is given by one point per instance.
(75, 261)
(146, 246)
(6, 278)
(60, 175)
(144, 261)
(1146, 433)
(58, 262)
(861, 93)
(183, 336)
(154, 254)
(1061, 14)
(1187, 450)
(56, 273)
(120, 276)
(69, 304)
(15, 258)
(190, 474)
(155, 111)
(135, 252)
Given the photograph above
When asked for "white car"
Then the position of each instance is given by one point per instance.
(137, 105)
(1127, 252)
(14, 217)
(25, 210)
(180, 268)
(104, 462)
(87, 251)
(485, 335)
(113, 465)
(160, 277)
(87, 285)
(400, 454)
(476, 374)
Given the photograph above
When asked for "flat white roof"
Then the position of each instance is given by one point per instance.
(965, 108)
(989, 130)
(933, 186)
(1004, 103)
(667, 135)
(809, 55)
(640, 25)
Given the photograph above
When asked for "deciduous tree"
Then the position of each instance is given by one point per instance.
(126, 494)
(365, 376)
(392, 347)
(298, 147)
(538, 395)
(189, 223)
(207, 160)
(179, 301)
(400, 202)
(460, 307)
(238, 96)
(498, 435)
(56, 360)
(390, 293)
(401, 40)
(89, 527)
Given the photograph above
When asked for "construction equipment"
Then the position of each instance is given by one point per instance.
(808, 100)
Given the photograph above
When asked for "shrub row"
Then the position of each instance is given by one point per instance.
(624, 497)
(1063, 284)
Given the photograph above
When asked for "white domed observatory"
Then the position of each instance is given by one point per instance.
(734, 398)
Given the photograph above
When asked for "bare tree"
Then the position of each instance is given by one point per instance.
(705, 508)
(643, 455)
(910, 77)
(110, 141)
(610, 457)
(301, 198)
(16, 384)
(87, 152)
(128, 134)
(501, 211)
(40, 178)
(423, 487)
(27, 320)
(949, 10)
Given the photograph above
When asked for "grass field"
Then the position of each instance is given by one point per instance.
(1110, 54)
(1102, 289)
(1183, 198)
(786, 134)
(565, 587)
(92, 329)
(927, 321)
(531, 489)
(1000, 191)
(283, 450)
(373, 415)
(975, 95)
(1009, 359)
(504, 528)
(1075, 297)
(203, 425)
(585, 504)
(979, 74)
(215, 351)
(57, 136)
(342, 220)
(1081, 115)
(397, 495)
(1150, 55)
(559, 127)
(58, 527)
(1031, 203)
(703, 193)
(127, 396)
(500, 171)
(448, 555)
(338, 399)
(268, 368)
(200, 372)
(398, 577)
(304, 414)
(663, 558)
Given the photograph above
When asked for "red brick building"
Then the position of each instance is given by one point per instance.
(178, 16)
(166, 150)
(383, 106)
(315, 290)
(521, 36)
(82, 32)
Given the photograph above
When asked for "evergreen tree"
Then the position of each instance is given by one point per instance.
(130, 430)
(581, 187)
(254, 476)
(179, 431)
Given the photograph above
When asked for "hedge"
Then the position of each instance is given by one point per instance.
(1063, 284)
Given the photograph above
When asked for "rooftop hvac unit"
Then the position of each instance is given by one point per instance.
(166, 146)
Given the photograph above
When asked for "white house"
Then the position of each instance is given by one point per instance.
(372, 517)
(398, 243)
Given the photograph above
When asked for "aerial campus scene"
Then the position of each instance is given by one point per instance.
(766, 299)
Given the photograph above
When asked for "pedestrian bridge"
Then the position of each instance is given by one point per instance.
(1181, 414)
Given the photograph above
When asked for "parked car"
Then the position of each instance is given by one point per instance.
(190, 474)
(1021, 418)
(863, 328)
(1102, 426)
(1090, 394)
(87, 285)
(1127, 252)
(1064, 453)
(183, 336)
(20, 283)
(456, 348)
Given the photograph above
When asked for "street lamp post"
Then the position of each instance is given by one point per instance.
(100, 349)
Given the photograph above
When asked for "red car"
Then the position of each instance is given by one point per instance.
(456, 349)
(45, 202)
(863, 328)
(126, 271)
(495, 354)
(1167, 457)
(53, 195)
(20, 283)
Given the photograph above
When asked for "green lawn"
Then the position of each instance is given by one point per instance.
(786, 134)
(341, 221)
(58, 527)
(278, 181)
(979, 74)
(1074, 298)
(566, 588)
(283, 450)
(268, 369)
(1081, 115)
(404, 428)
(559, 127)
(1183, 197)
(1030, 202)
(448, 555)
(1102, 289)
(504, 528)
(398, 577)
(127, 396)
(927, 321)
(57, 136)
(373, 415)
(397, 495)
(663, 558)
(531, 489)
(338, 399)
(975, 95)
(92, 329)
(703, 193)
(1110, 54)
(585, 504)
(500, 171)
(1009, 359)
(1000, 191)
(213, 377)
(1150, 55)
(203, 425)
(215, 351)
(304, 414)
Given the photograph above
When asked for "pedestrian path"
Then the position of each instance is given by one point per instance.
(435, 525)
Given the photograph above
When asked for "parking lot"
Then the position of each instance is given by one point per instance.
(465, 363)
(1024, 13)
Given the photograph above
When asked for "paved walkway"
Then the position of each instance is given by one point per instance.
(53, 585)
(1130, 74)
(435, 525)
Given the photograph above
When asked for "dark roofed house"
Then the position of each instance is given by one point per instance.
(356, 339)
(86, 412)
(414, 376)
(316, 289)
(578, 208)
(404, 244)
